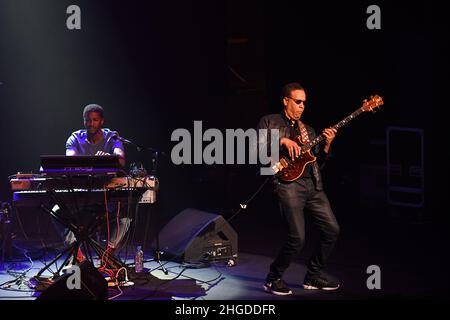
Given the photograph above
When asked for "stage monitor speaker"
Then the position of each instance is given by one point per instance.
(198, 236)
(93, 286)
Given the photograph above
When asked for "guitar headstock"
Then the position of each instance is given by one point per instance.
(372, 103)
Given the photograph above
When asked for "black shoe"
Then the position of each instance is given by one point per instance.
(319, 283)
(277, 287)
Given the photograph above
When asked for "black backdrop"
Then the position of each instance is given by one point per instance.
(157, 66)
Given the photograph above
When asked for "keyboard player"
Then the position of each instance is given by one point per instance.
(96, 140)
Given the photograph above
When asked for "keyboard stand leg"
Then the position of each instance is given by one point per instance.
(70, 248)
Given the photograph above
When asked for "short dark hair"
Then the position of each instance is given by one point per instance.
(287, 89)
(93, 108)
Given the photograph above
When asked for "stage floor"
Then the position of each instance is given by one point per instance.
(218, 281)
(410, 256)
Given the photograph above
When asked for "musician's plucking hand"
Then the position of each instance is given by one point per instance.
(291, 146)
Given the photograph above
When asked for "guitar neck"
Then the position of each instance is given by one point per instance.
(339, 125)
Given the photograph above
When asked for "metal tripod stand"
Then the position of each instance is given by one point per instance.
(157, 252)
(154, 173)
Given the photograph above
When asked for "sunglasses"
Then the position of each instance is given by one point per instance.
(299, 101)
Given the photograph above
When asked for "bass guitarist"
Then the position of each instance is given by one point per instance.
(304, 194)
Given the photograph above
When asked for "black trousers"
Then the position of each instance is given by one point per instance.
(294, 198)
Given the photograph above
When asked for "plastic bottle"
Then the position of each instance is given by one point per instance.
(139, 260)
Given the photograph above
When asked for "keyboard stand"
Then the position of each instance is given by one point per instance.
(82, 233)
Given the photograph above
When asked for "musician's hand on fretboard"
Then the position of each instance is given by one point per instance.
(329, 134)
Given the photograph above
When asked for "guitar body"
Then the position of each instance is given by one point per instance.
(294, 169)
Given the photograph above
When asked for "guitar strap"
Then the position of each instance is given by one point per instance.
(303, 132)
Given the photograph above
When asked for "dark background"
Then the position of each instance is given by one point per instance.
(158, 66)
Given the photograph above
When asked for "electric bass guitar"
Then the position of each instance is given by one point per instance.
(289, 170)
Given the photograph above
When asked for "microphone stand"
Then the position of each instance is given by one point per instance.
(155, 157)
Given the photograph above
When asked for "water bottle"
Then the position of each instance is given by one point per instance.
(139, 260)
